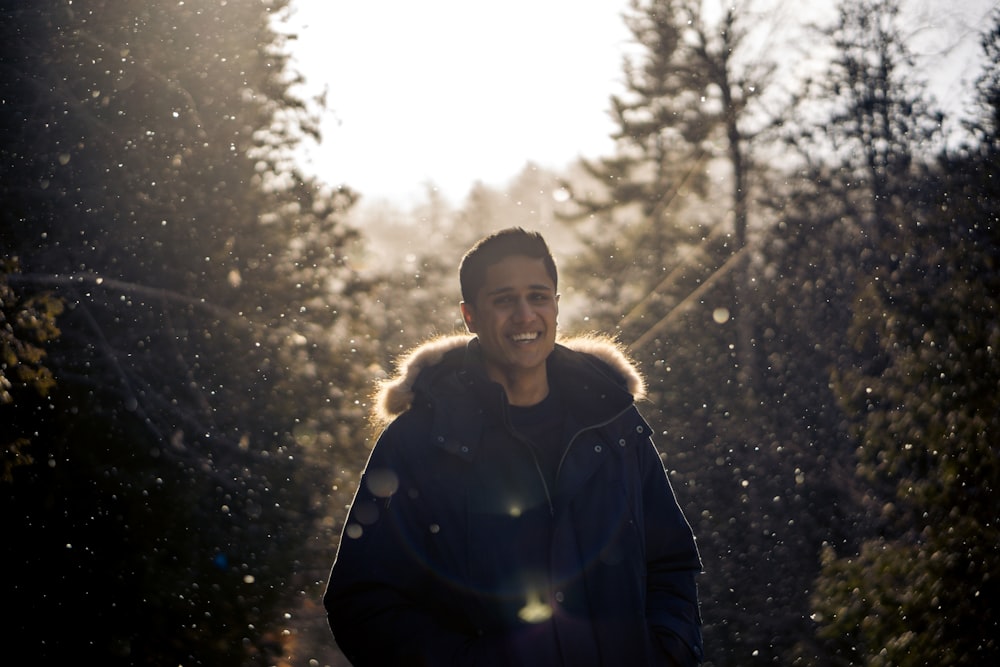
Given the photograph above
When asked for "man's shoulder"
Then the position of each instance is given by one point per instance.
(397, 395)
(610, 357)
(414, 424)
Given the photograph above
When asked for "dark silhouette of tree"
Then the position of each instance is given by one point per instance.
(26, 325)
(147, 182)
(734, 87)
(690, 108)
(985, 126)
(926, 411)
(874, 122)
(628, 205)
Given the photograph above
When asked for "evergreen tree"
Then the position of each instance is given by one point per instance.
(689, 113)
(630, 205)
(927, 416)
(985, 125)
(147, 183)
(26, 325)
(875, 122)
(732, 88)
(927, 449)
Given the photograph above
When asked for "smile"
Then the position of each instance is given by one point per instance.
(525, 337)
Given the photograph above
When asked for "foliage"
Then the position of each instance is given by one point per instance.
(927, 447)
(868, 116)
(183, 459)
(691, 108)
(660, 158)
(986, 127)
(26, 325)
(196, 420)
(924, 392)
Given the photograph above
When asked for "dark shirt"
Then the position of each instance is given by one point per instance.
(543, 426)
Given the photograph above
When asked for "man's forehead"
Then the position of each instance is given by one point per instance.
(533, 287)
(518, 269)
(516, 273)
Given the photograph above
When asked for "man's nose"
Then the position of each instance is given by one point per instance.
(524, 311)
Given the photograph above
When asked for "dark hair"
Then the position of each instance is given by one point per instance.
(498, 246)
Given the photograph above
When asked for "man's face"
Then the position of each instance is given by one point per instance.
(514, 315)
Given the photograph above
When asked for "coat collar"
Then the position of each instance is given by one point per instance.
(600, 358)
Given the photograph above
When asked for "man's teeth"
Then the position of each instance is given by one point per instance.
(519, 338)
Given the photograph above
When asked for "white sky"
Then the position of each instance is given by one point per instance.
(458, 91)
(455, 91)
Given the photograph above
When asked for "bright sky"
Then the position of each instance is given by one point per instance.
(451, 92)
(455, 91)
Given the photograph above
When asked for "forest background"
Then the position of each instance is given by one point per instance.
(190, 327)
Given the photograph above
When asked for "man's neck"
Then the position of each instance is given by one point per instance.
(523, 389)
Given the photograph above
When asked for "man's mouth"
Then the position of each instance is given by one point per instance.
(526, 337)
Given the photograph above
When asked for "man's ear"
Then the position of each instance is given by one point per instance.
(468, 317)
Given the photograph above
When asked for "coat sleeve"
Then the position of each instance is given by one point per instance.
(379, 597)
(673, 563)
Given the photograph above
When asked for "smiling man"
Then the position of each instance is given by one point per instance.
(513, 310)
(514, 511)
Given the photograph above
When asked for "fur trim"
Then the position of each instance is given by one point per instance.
(613, 353)
(393, 397)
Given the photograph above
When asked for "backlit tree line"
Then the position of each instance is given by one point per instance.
(190, 327)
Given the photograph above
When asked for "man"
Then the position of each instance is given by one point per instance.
(515, 511)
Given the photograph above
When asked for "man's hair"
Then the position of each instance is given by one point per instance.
(510, 242)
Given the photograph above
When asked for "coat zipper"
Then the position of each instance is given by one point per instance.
(562, 459)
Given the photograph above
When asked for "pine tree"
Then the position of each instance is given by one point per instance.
(690, 111)
(147, 183)
(875, 121)
(631, 204)
(927, 417)
(927, 450)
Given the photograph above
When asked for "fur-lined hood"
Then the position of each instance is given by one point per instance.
(395, 396)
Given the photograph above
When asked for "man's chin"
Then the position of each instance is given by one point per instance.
(531, 354)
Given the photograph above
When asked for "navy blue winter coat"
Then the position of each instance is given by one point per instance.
(430, 569)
